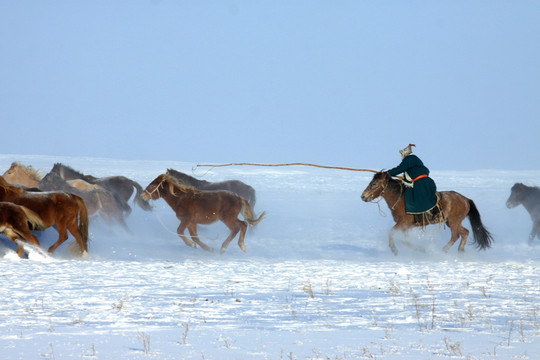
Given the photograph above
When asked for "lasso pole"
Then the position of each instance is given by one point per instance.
(286, 164)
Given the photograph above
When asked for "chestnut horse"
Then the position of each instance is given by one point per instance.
(66, 211)
(235, 186)
(529, 197)
(454, 206)
(193, 206)
(14, 221)
(97, 200)
(120, 185)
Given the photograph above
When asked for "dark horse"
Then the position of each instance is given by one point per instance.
(194, 207)
(66, 211)
(529, 197)
(120, 185)
(105, 203)
(14, 220)
(235, 186)
(454, 207)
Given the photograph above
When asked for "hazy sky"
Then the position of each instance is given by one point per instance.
(329, 82)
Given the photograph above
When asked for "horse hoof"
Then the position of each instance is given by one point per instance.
(222, 251)
(394, 250)
(243, 247)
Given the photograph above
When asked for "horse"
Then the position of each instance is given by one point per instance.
(454, 206)
(193, 206)
(29, 177)
(120, 185)
(235, 186)
(67, 211)
(529, 197)
(14, 220)
(97, 200)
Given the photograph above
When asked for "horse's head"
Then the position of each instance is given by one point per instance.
(153, 190)
(518, 194)
(22, 175)
(376, 187)
(10, 174)
(52, 182)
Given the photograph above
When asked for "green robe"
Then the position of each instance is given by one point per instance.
(422, 196)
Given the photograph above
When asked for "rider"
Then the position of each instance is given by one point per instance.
(420, 196)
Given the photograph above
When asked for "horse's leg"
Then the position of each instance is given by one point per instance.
(234, 230)
(243, 229)
(410, 245)
(535, 231)
(62, 236)
(464, 235)
(74, 230)
(180, 231)
(192, 228)
(391, 242)
(13, 236)
(453, 237)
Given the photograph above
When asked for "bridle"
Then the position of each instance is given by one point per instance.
(374, 200)
(155, 189)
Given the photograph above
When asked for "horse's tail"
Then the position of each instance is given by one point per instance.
(482, 237)
(34, 219)
(252, 197)
(144, 204)
(247, 213)
(83, 223)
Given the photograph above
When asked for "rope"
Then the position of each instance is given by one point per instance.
(287, 164)
(173, 232)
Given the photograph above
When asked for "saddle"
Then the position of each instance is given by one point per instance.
(435, 215)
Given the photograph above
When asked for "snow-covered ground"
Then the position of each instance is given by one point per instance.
(318, 280)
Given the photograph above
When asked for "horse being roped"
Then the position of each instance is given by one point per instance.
(67, 211)
(120, 185)
(235, 186)
(193, 206)
(529, 197)
(454, 206)
(14, 220)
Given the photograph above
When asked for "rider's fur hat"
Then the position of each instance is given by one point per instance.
(406, 151)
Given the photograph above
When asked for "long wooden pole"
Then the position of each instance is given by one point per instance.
(287, 164)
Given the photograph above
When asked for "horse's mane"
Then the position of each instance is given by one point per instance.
(69, 168)
(182, 187)
(33, 173)
(190, 179)
(10, 188)
(533, 190)
(394, 185)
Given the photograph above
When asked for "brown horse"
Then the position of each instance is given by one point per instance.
(14, 221)
(529, 197)
(120, 185)
(66, 211)
(97, 200)
(30, 177)
(454, 206)
(235, 186)
(194, 207)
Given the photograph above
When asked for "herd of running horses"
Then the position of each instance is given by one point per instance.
(65, 198)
